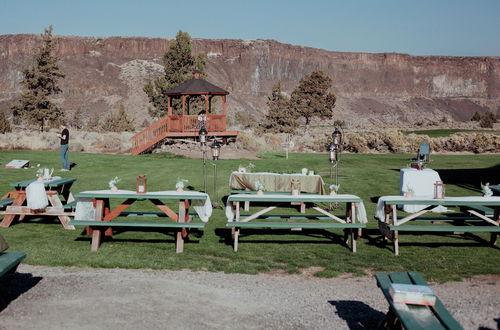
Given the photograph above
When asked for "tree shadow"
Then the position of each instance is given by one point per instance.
(318, 236)
(15, 284)
(357, 314)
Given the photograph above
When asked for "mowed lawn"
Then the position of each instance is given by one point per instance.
(437, 257)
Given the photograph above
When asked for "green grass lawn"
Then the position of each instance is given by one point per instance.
(434, 133)
(437, 257)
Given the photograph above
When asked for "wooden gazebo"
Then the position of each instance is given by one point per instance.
(186, 124)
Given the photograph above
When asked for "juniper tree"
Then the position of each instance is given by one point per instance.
(311, 97)
(179, 65)
(278, 118)
(4, 123)
(40, 82)
(118, 122)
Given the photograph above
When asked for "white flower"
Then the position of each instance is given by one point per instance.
(258, 185)
(486, 189)
(180, 183)
(335, 187)
(112, 183)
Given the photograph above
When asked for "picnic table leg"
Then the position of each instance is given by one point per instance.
(236, 235)
(235, 232)
(56, 202)
(96, 240)
(352, 206)
(181, 218)
(396, 234)
(19, 201)
(496, 217)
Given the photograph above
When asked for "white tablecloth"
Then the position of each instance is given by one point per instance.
(421, 183)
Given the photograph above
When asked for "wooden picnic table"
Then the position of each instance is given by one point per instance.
(354, 209)
(102, 223)
(390, 224)
(55, 188)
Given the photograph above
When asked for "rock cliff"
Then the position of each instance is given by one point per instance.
(102, 73)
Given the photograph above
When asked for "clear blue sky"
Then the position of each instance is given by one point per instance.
(417, 27)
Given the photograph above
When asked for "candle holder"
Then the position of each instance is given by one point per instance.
(439, 190)
(295, 187)
(141, 184)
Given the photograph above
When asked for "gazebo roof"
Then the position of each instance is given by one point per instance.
(196, 86)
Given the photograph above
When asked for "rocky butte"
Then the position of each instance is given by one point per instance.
(102, 73)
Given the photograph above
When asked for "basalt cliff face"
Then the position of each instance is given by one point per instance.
(102, 73)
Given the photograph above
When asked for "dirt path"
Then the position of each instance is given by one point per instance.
(82, 298)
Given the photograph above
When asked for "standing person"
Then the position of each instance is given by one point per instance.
(64, 137)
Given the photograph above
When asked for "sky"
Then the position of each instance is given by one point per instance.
(416, 27)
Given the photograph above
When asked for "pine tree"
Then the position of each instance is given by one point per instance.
(77, 120)
(311, 97)
(40, 82)
(278, 118)
(4, 124)
(179, 65)
(93, 123)
(118, 122)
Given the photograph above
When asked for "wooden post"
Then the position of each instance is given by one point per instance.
(169, 106)
(207, 103)
(224, 112)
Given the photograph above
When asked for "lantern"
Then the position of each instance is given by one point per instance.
(203, 135)
(439, 190)
(337, 137)
(141, 184)
(215, 146)
(295, 187)
(333, 153)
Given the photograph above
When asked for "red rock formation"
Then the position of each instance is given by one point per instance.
(102, 73)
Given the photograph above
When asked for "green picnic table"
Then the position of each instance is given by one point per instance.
(103, 219)
(413, 317)
(390, 224)
(354, 209)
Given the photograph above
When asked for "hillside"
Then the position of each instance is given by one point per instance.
(102, 73)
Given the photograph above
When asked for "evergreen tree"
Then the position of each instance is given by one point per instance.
(93, 123)
(311, 97)
(77, 120)
(118, 122)
(179, 65)
(4, 123)
(278, 118)
(40, 82)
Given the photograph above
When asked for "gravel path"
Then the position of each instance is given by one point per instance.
(83, 298)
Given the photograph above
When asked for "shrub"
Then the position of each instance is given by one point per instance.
(4, 124)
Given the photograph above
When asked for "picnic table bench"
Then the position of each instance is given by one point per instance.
(9, 261)
(103, 222)
(354, 207)
(413, 317)
(55, 189)
(390, 224)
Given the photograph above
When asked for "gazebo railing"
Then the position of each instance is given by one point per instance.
(175, 124)
(189, 123)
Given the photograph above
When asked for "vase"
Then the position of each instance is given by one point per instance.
(260, 192)
(114, 188)
(333, 193)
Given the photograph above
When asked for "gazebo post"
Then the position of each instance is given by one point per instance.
(207, 103)
(183, 97)
(169, 105)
